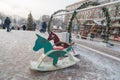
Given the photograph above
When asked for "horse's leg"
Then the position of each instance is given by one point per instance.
(73, 50)
(71, 57)
(55, 60)
(41, 59)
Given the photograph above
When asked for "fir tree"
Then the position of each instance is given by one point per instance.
(30, 22)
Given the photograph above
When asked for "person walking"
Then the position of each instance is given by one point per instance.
(24, 27)
(44, 25)
(92, 35)
(41, 28)
(7, 24)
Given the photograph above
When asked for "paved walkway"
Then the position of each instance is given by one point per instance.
(16, 53)
(100, 46)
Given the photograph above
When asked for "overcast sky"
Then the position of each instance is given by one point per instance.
(37, 7)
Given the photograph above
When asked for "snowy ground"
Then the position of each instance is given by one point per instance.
(16, 52)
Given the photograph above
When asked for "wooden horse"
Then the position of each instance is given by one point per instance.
(54, 54)
(57, 42)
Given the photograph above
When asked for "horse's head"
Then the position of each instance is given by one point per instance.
(51, 36)
(39, 43)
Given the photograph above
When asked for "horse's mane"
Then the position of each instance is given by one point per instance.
(55, 36)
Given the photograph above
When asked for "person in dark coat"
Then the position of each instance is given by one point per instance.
(44, 25)
(41, 27)
(92, 36)
(24, 27)
(13, 28)
(7, 24)
(3, 25)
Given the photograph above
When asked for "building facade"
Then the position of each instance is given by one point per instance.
(114, 10)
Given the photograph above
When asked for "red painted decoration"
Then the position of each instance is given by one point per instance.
(58, 48)
(57, 42)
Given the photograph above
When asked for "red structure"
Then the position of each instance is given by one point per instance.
(57, 42)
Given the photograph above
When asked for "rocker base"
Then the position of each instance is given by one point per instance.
(48, 66)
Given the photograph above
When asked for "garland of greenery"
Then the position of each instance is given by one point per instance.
(49, 23)
(51, 18)
(108, 19)
(84, 5)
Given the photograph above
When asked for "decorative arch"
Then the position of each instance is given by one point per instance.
(51, 18)
(85, 5)
(49, 23)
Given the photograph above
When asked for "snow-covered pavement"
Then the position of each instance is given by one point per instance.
(16, 53)
(100, 46)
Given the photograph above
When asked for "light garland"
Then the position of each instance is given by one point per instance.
(108, 19)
